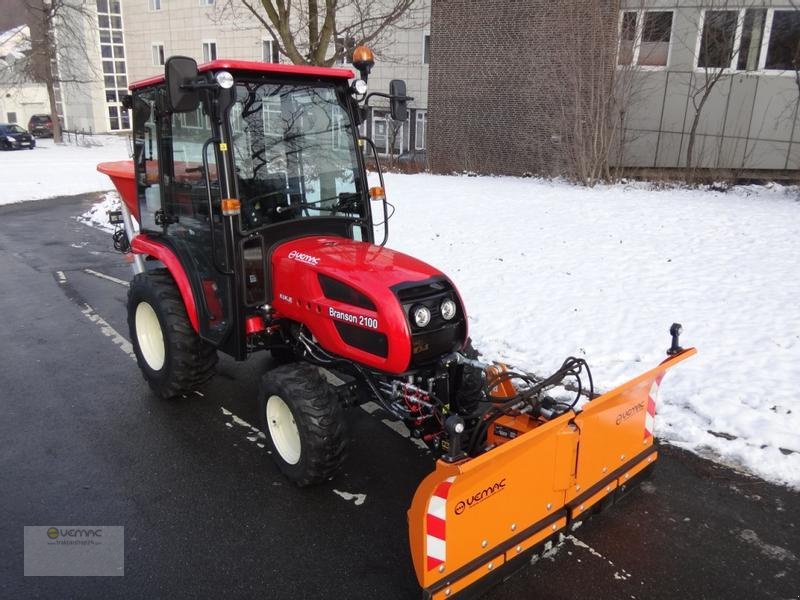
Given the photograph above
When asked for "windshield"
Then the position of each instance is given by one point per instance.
(13, 129)
(295, 154)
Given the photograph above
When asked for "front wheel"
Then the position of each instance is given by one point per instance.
(173, 358)
(304, 423)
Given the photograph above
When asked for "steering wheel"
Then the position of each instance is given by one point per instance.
(255, 214)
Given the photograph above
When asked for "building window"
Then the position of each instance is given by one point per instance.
(269, 51)
(209, 51)
(388, 136)
(735, 39)
(346, 47)
(421, 130)
(783, 52)
(207, 2)
(158, 54)
(426, 49)
(645, 38)
(752, 36)
(112, 53)
(718, 37)
(155, 4)
(11, 117)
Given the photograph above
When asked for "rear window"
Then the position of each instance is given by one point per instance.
(40, 119)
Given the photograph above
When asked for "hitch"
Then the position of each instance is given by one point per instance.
(675, 331)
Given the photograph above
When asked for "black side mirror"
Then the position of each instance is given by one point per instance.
(180, 73)
(399, 100)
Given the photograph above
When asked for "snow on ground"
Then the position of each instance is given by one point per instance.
(549, 270)
(58, 170)
(97, 215)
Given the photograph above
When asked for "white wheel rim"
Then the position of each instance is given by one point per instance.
(149, 336)
(283, 430)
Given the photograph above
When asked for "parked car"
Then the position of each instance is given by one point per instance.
(13, 137)
(41, 126)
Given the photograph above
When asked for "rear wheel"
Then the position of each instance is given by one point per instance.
(304, 423)
(172, 357)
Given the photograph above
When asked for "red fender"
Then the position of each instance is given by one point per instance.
(142, 244)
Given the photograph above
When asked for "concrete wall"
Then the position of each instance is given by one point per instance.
(750, 120)
(25, 100)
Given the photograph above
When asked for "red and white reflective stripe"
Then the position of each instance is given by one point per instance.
(650, 416)
(436, 526)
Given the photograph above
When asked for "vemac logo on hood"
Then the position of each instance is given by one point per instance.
(304, 258)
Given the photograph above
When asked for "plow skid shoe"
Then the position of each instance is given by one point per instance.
(476, 518)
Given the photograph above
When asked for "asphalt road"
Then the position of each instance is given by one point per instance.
(207, 515)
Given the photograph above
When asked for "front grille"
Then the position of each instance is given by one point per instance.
(429, 346)
(408, 292)
(439, 337)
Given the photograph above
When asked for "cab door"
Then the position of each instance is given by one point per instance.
(179, 207)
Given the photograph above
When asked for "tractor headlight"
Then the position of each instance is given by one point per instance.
(224, 80)
(448, 309)
(421, 314)
(360, 87)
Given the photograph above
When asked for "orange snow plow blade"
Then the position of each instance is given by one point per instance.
(479, 516)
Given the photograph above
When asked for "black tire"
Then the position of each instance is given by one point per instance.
(186, 361)
(283, 356)
(316, 428)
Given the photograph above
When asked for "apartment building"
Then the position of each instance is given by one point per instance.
(497, 104)
(157, 29)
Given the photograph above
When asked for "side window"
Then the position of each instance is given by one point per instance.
(187, 196)
(146, 156)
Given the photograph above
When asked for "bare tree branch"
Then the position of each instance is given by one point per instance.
(308, 32)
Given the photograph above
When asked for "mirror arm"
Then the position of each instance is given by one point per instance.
(384, 95)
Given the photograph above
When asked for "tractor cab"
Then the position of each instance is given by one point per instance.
(233, 157)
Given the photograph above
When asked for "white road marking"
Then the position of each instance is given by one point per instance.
(109, 331)
(62, 279)
(107, 277)
(359, 498)
(369, 407)
(255, 435)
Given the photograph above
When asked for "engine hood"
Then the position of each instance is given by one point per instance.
(361, 264)
(356, 298)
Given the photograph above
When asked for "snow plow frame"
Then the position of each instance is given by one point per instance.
(476, 518)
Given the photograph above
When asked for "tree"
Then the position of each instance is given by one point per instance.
(59, 49)
(594, 85)
(324, 32)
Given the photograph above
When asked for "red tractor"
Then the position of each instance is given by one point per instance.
(255, 230)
